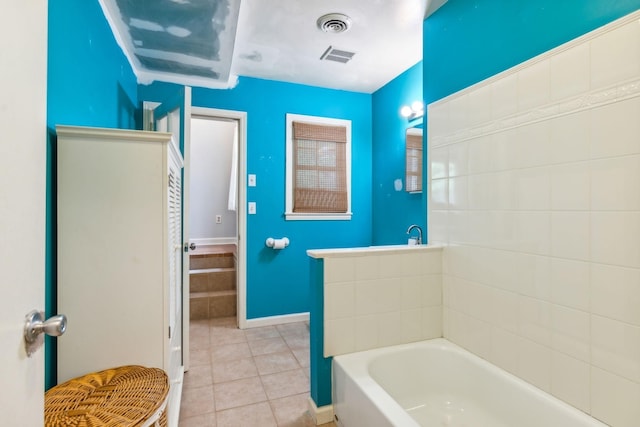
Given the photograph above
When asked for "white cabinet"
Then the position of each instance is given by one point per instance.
(119, 252)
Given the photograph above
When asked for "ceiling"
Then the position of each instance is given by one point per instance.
(210, 43)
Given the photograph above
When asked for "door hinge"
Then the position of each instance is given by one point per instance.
(169, 332)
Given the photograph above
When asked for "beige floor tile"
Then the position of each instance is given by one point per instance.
(291, 411)
(276, 362)
(298, 328)
(234, 369)
(221, 336)
(262, 333)
(238, 393)
(303, 356)
(222, 387)
(206, 420)
(197, 401)
(198, 376)
(285, 383)
(224, 322)
(297, 341)
(199, 341)
(266, 346)
(198, 327)
(257, 415)
(199, 337)
(200, 357)
(230, 351)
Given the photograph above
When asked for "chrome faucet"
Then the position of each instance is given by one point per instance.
(411, 228)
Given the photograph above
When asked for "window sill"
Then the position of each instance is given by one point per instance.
(295, 216)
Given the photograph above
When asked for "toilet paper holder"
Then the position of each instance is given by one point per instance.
(277, 243)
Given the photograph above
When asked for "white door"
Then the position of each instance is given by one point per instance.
(174, 116)
(23, 78)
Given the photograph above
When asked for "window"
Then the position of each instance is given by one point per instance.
(413, 150)
(318, 168)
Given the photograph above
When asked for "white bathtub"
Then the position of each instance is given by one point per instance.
(436, 383)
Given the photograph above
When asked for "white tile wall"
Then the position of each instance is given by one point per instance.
(381, 299)
(542, 275)
(615, 55)
(570, 138)
(570, 380)
(615, 293)
(614, 398)
(570, 187)
(533, 85)
(569, 72)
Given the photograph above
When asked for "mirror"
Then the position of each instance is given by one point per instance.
(413, 157)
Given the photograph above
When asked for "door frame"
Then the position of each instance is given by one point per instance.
(241, 270)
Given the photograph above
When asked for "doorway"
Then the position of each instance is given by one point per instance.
(217, 214)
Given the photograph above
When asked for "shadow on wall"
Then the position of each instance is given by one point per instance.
(129, 116)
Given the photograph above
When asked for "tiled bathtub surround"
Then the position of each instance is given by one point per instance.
(380, 296)
(535, 188)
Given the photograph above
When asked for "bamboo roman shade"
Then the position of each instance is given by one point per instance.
(413, 163)
(319, 168)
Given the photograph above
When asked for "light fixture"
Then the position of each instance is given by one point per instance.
(413, 111)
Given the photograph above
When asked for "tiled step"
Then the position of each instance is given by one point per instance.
(210, 305)
(212, 287)
(203, 261)
(212, 279)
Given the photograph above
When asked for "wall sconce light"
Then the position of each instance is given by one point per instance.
(413, 111)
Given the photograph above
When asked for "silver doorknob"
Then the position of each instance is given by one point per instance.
(188, 246)
(35, 325)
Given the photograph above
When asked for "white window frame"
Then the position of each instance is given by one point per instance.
(297, 216)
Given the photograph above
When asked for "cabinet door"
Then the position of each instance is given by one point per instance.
(175, 246)
(174, 115)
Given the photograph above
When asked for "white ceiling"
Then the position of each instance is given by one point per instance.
(211, 42)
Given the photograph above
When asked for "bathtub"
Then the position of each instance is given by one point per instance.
(436, 383)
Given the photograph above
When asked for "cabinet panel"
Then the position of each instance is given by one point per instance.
(119, 248)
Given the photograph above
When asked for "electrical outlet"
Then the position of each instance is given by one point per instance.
(252, 208)
(218, 219)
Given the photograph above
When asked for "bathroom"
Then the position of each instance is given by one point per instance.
(460, 50)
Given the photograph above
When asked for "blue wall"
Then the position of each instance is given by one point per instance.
(467, 41)
(89, 83)
(278, 282)
(394, 211)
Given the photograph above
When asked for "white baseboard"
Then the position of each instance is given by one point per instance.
(321, 415)
(275, 320)
(214, 241)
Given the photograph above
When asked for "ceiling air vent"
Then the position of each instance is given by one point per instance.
(334, 23)
(337, 55)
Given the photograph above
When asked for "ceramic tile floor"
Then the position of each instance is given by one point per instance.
(255, 377)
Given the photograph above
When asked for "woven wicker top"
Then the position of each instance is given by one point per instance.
(124, 396)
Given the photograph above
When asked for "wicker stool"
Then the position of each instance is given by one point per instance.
(128, 396)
